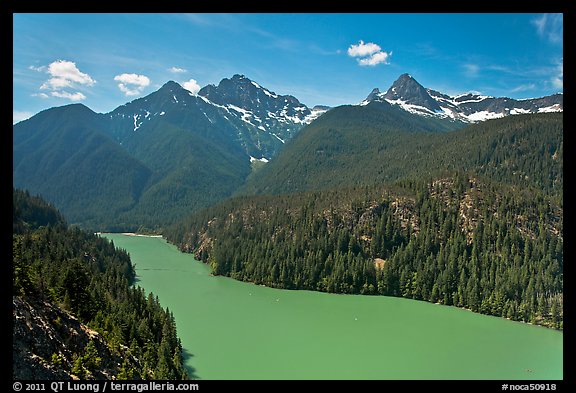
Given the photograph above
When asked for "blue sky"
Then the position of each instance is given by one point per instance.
(106, 60)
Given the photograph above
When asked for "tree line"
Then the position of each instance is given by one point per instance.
(460, 240)
(93, 280)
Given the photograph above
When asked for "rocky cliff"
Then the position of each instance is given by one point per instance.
(49, 343)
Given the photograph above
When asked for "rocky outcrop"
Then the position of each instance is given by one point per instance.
(47, 342)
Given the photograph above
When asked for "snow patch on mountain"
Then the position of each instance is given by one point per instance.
(484, 115)
(263, 159)
(314, 114)
(277, 137)
(136, 126)
(469, 107)
(551, 108)
(417, 109)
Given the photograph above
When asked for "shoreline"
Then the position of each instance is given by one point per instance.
(129, 234)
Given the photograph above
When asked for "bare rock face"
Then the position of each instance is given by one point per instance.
(47, 340)
(407, 89)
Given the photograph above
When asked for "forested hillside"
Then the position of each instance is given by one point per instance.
(457, 240)
(153, 160)
(76, 312)
(64, 155)
(472, 218)
(362, 146)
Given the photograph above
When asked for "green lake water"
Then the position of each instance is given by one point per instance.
(236, 330)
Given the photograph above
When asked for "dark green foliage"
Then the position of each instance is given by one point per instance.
(458, 240)
(32, 212)
(191, 170)
(106, 177)
(64, 155)
(372, 145)
(89, 277)
(471, 218)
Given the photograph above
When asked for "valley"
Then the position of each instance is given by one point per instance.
(149, 163)
(153, 160)
(404, 212)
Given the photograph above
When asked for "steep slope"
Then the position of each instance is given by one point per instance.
(270, 119)
(31, 212)
(65, 155)
(151, 161)
(190, 147)
(43, 349)
(459, 239)
(380, 142)
(411, 96)
(64, 280)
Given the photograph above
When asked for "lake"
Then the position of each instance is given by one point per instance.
(236, 330)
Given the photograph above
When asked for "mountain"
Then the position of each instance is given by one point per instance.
(373, 200)
(149, 162)
(270, 119)
(153, 160)
(242, 112)
(457, 239)
(411, 96)
(341, 147)
(380, 143)
(190, 146)
(65, 155)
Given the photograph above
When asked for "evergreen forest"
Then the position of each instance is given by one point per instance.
(92, 280)
(471, 218)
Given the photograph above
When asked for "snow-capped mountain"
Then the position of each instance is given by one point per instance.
(411, 96)
(266, 115)
(156, 158)
(259, 106)
(259, 119)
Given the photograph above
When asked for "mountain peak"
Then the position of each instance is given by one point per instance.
(373, 94)
(408, 91)
(405, 84)
(171, 85)
(239, 77)
(411, 96)
(241, 92)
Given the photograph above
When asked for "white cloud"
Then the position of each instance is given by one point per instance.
(524, 87)
(64, 75)
(363, 49)
(39, 69)
(192, 86)
(71, 96)
(471, 70)
(56, 84)
(558, 78)
(20, 115)
(550, 27)
(369, 54)
(376, 58)
(177, 70)
(132, 84)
